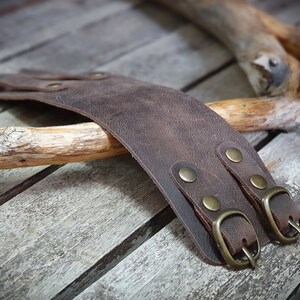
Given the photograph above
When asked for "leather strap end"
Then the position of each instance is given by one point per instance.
(257, 184)
(210, 197)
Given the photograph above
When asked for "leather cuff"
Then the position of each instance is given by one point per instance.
(210, 175)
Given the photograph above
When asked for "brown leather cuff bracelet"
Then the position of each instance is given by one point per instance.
(210, 175)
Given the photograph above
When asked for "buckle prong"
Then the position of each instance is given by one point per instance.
(229, 259)
(295, 226)
(269, 195)
(251, 259)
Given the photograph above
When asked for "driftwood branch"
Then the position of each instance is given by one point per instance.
(25, 147)
(267, 49)
(253, 37)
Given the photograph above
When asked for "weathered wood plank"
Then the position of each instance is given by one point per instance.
(85, 49)
(94, 45)
(167, 266)
(191, 55)
(100, 42)
(8, 6)
(188, 49)
(50, 210)
(51, 19)
(30, 115)
(43, 221)
(44, 246)
(230, 83)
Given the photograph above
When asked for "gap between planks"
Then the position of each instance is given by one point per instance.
(141, 31)
(171, 257)
(13, 5)
(65, 26)
(65, 291)
(135, 240)
(35, 190)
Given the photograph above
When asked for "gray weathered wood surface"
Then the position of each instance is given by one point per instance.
(167, 266)
(101, 230)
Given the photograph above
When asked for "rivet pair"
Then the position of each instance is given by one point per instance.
(235, 155)
(189, 175)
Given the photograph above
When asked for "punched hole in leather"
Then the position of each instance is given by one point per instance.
(160, 127)
(272, 202)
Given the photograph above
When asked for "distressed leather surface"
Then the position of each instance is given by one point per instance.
(161, 128)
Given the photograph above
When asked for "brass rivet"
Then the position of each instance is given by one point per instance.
(187, 174)
(211, 203)
(259, 182)
(234, 154)
(54, 85)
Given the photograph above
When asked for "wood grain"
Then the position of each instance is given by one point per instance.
(89, 47)
(13, 5)
(46, 240)
(45, 225)
(51, 19)
(62, 226)
(28, 115)
(234, 85)
(244, 115)
(74, 57)
(253, 42)
(167, 266)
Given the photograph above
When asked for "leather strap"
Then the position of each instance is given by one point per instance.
(168, 132)
(210, 184)
(256, 183)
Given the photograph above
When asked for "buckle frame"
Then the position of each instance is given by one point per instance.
(270, 193)
(229, 259)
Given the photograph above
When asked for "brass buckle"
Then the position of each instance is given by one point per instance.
(251, 258)
(266, 205)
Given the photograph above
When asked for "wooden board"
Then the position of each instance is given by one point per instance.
(167, 266)
(74, 57)
(51, 19)
(33, 114)
(57, 239)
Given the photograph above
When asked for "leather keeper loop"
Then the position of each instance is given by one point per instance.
(257, 183)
